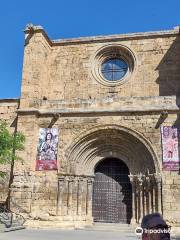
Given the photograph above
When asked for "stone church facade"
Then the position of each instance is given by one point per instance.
(108, 96)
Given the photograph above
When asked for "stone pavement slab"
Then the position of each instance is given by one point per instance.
(30, 234)
(39, 234)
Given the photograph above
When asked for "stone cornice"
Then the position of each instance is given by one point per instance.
(117, 37)
(103, 106)
(31, 29)
(9, 100)
(52, 112)
(74, 175)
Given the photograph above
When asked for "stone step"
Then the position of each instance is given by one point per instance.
(125, 228)
(108, 230)
(113, 225)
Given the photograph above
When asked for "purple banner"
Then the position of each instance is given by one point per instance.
(47, 149)
(170, 146)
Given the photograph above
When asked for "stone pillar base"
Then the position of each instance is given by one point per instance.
(133, 222)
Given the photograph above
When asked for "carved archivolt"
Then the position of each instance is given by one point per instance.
(111, 141)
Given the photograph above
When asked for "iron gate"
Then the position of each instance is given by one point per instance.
(112, 193)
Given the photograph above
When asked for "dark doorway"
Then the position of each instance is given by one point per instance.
(112, 192)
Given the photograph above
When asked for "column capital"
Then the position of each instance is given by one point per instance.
(131, 178)
(148, 182)
(158, 178)
(151, 177)
(140, 179)
(61, 178)
(80, 178)
(70, 178)
(90, 180)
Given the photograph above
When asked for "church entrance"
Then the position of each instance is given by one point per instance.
(112, 192)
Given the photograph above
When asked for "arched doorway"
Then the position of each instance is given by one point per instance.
(112, 192)
(105, 143)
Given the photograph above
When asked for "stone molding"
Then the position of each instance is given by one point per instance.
(85, 139)
(146, 195)
(32, 29)
(115, 105)
(110, 51)
(97, 111)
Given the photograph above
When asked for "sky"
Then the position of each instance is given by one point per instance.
(73, 18)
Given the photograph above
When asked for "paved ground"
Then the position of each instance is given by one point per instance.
(64, 235)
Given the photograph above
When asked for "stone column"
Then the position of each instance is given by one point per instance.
(89, 198)
(154, 192)
(65, 196)
(84, 197)
(144, 196)
(159, 194)
(75, 196)
(60, 194)
(140, 215)
(77, 209)
(80, 197)
(148, 184)
(133, 183)
(69, 199)
(151, 192)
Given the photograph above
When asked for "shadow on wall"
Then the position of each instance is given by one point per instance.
(169, 72)
(169, 76)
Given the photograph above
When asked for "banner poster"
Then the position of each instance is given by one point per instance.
(170, 147)
(47, 149)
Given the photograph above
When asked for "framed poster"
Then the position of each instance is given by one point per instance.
(170, 147)
(47, 149)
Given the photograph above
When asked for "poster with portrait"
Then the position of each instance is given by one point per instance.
(47, 149)
(170, 147)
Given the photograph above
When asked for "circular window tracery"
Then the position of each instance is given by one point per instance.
(113, 64)
(114, 69)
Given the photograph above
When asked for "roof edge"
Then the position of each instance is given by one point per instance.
(31, 29)
(116, 37)
(9, 100)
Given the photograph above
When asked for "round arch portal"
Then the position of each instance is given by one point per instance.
(111, 141)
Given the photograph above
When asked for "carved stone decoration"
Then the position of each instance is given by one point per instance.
(146, 195)
(133, 181)
(60, 192)
(75, 197)
(158, 180)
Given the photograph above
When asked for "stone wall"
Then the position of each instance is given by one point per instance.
(171, 196)
(66, 66)
(8, 108)
(59, 90)
(39, 198)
